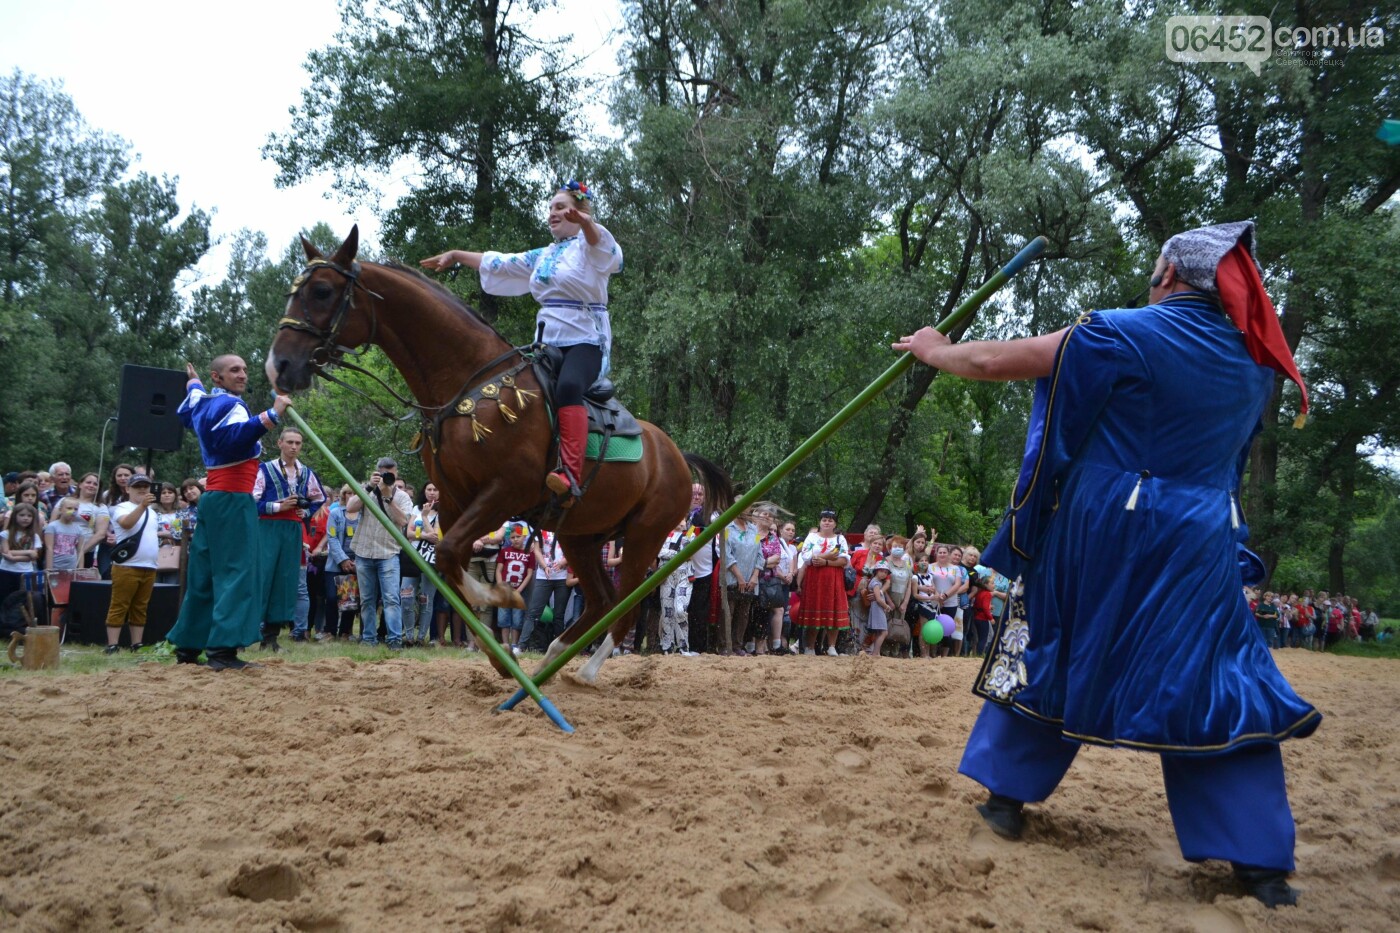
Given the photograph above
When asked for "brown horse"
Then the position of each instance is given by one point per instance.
(490, 464)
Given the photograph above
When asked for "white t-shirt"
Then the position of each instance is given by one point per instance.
(89, 512)
(702, 562)
(24, 566)
(787, 555)
(945, 580)
(549, 547)
(145, 556)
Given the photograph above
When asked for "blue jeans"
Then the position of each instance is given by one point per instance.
(542, 592)
(510, 618)
(379, 582)
(299, 624)
(427, 598)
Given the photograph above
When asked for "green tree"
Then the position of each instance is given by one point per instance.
(741, 194)
(1294, 148)
(53, 171)
(442, 89)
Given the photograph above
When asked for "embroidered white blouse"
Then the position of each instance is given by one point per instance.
(569, 279)
(815, 545)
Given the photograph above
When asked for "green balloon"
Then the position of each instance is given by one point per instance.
(932, 632)
(548, 615)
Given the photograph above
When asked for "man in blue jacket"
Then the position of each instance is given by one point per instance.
(222, 608)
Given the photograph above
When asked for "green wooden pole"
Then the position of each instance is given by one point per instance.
(882, 382)
(528, 687)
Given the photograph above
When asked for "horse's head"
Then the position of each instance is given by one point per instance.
(321, 321)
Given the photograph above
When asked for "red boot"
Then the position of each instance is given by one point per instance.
(573, 438)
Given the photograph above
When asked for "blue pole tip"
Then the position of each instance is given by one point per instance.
(555, 716)
(1031, 250)
(513, 702)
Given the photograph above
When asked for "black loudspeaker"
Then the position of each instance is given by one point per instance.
(88, 601)
(147, 417)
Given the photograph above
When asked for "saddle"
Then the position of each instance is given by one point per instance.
(607, 418)
(606, 415)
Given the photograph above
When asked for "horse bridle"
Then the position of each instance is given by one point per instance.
(329, 352)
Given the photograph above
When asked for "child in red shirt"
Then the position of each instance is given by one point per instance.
(982, 609)
(515, 567)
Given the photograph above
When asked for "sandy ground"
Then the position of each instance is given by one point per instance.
(698, 794)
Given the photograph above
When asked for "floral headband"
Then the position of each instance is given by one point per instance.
(580, 192)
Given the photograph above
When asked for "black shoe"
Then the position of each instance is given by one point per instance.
(111, 649)
(270, 644)
(1004, 816)
(187, 656)
(298, 638)
(227, 659)
(135, 648)
(1269, 885)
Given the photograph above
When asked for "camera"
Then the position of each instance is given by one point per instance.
(388, 479)
(303, 502)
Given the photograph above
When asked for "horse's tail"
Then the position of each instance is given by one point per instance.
(719, 488)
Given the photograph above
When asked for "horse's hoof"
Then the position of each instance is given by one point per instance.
(580, 681)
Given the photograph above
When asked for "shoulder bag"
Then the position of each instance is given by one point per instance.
(127, 547)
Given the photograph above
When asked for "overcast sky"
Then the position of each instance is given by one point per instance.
(196, 88)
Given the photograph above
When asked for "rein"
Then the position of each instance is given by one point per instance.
(330, 353)
(477, 388)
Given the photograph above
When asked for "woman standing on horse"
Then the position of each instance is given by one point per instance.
(569, 278)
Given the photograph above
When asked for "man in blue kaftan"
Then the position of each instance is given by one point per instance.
(222, 608)
(1126, 512)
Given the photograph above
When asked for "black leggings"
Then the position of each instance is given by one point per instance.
(577, 373)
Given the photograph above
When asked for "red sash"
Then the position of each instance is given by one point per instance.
(237, 478)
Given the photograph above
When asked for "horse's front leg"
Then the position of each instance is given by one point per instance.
(474, 523)
(585, 558)
(455, 554)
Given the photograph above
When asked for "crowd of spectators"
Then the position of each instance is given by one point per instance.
(754, 589)
(1311, 621)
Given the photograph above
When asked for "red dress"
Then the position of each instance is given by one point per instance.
(824, 588)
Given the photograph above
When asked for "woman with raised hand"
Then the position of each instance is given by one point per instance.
(569, 279)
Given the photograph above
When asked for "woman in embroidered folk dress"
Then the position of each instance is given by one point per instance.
(823, 609)
(569, 278)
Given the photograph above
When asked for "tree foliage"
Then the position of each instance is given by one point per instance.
(455, 91)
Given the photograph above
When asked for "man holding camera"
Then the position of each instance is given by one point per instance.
(288, 493)
(377, 555)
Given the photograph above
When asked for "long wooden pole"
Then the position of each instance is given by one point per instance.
(483, 634)
(959, 314)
